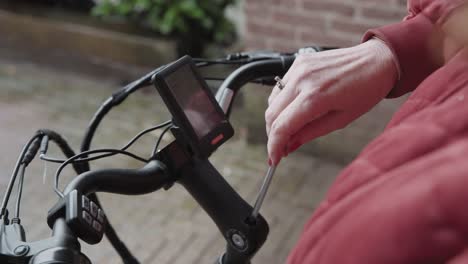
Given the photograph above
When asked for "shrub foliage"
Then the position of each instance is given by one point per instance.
(189, 19)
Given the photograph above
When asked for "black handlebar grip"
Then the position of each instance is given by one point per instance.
(148, 179)
(227, 209)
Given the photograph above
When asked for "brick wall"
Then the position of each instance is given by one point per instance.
(289, 24)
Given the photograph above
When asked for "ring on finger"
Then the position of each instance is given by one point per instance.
(279, 83)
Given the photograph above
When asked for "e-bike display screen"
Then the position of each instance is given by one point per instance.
(193, 107)
(194, 101)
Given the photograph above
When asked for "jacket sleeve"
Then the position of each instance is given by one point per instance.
(410, 41)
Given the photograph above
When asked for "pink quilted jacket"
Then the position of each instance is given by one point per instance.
(405, 197)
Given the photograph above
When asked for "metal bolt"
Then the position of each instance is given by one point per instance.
(238, 241)
(21, 250)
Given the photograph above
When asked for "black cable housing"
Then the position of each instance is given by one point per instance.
(7, 195)
(19, 192)
(85, 153)
(65, 147)
(114, 100)
(80, 168)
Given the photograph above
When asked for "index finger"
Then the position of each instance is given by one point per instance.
(297, 115)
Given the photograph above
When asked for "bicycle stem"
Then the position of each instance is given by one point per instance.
(227, 209)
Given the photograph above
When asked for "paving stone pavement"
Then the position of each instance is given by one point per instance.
(163, 227)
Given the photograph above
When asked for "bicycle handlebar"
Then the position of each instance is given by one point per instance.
(172, 164)
(150, 178)
(265, 68)
(229, 211)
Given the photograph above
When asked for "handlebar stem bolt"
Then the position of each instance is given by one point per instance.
(238, 241)
(21, 250)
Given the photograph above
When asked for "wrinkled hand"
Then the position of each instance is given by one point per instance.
(326, 91)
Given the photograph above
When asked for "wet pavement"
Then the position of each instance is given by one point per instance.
(163, 227)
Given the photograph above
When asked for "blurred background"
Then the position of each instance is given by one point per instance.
(59, 59)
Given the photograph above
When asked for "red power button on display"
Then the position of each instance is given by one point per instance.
(217, 139)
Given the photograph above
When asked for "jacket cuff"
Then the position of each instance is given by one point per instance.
(409, 41)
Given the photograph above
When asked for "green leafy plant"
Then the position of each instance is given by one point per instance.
(193, 21)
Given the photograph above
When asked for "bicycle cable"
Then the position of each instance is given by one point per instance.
(19, 194)
(119, 246)
(11, 183)
(125, 147)
(155, 149)
(85, 153)
(75, 158)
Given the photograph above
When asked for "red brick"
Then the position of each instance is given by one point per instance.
(284, 3)
(317, 38)
(381, 13)
(292, 18)
(256, 42)
(272, 3)
(255, 10)
(330, 22)
(328, 7)
(352, 27)
(284, 46)
(269, 30)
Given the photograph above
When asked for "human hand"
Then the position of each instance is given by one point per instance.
(326, 91)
